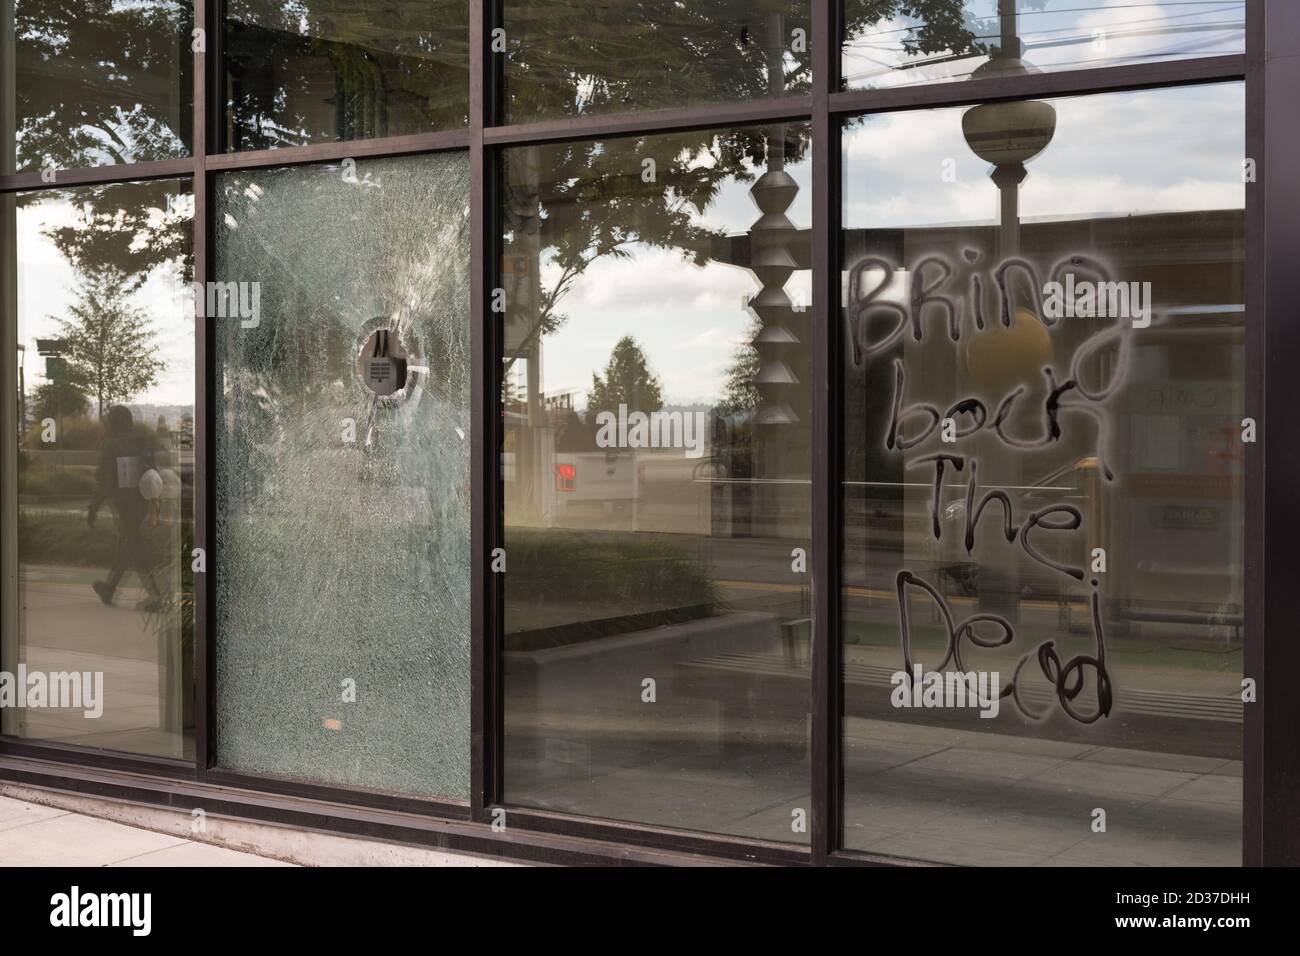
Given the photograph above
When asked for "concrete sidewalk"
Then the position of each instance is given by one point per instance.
(35, 835)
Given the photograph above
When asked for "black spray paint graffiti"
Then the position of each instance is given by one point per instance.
(1071, 397)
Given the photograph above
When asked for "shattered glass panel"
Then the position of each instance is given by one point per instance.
(342, 555)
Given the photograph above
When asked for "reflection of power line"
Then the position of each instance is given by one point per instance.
(1220, 27)
(1234, 7)
(1126, 30)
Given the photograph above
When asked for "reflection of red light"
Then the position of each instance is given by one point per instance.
(566, 477)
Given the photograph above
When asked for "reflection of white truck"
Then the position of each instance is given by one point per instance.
(594, 483)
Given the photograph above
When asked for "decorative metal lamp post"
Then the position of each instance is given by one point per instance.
(1008, 135)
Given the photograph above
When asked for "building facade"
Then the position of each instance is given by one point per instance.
(776, 431)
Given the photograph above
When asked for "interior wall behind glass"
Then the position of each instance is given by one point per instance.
(94, 82)
(565, 58)
(656, 467)
(902, 42)
(315, 71)
(342, 553)
(98, 483)
(1044, 535)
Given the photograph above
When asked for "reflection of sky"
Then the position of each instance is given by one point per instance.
(47, 289)
(689, 320)
(1058, 35)
(1112, 155)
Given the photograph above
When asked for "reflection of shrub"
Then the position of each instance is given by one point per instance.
(611, 569)
(79, 434)
(65, 538)
(43, 482)
(46, 537)
(72, 434)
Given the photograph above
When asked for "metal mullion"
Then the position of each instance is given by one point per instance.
(1272, 462)
(719, 845)
(1252, 822)
(206, 17)
(1105, 79)
(346, 149)
(94, 175)
(752, 113)
(439, 807)
(827, 790)
(82, 756)
(485, 744)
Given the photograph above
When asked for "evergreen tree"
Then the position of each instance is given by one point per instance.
(628, 381)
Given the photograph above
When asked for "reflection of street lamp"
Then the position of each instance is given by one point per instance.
(1008, 135)
(56, 370)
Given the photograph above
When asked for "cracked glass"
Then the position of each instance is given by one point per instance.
(342, 557)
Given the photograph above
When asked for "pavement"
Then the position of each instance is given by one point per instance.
(36, 835)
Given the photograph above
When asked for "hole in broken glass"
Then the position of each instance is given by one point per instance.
(386, 362)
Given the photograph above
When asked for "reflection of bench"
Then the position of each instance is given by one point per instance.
(755, 684)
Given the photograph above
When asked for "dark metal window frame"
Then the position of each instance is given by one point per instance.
(1271, 825)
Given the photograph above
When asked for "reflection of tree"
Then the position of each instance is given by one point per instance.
(946, 27)
(628, 381)
(740, 394)
(69, 113)
(109, 349)
(129, 229)
(935, 26)
(405, 71)
(593, 202)
(58, 400)
(569, 58)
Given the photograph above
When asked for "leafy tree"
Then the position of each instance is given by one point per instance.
(572, 58)
(101, 81)
(405, 71)
(628, 381)
(59, 400)
(568, 57)
(109, 349)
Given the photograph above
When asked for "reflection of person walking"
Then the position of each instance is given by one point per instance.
(124, 456)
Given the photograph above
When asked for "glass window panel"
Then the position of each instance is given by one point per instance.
(98, 487)
(657, 463)
(566, 59)
(902, 42)
(1093, 389)
(342, 471)
(311, 71)
(94, 82)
